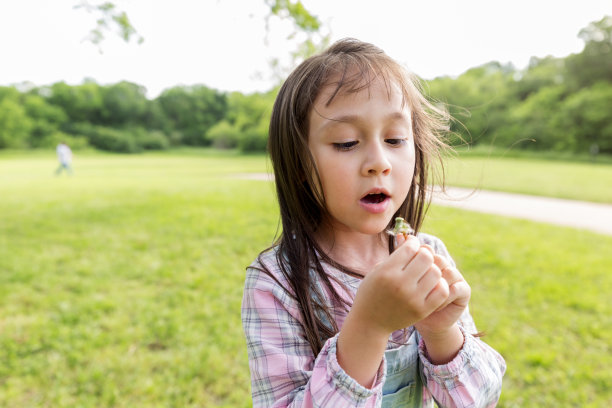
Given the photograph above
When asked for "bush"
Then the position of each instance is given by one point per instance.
(254, 140)
(152, 140)
(53, 139)
(148, 139)
(223, 135)
(127, 140)
(104, 138)
(175, 138)
(114, 140)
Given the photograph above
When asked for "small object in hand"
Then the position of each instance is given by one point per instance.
(401, 227)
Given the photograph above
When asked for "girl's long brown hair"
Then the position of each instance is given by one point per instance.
(352, 65)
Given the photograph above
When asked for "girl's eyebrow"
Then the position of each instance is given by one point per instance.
(391, 117)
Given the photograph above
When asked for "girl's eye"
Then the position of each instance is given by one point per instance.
(395, 142)
(345, 145)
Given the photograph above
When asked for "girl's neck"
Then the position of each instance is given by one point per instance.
(359, 252)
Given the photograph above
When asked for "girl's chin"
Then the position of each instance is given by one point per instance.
(367, 224)
(374, 228)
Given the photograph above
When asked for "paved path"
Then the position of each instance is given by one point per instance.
(578, 214)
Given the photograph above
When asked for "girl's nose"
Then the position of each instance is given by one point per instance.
(376, 161)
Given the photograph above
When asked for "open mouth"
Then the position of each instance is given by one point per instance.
(374, 198)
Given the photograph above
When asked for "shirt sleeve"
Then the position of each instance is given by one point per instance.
(284, 371)
(474, 377)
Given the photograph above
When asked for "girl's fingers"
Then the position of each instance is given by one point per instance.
(410, 255)
(458, 293)
(404, 252)
(451, 293)
(441, 262)
(461, 293)
(429, 279)
(456, 284)
(451, 275)
(420, 264)
(428, 247)
(438, 295)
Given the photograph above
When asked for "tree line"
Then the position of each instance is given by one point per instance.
(120, 118)
(554, 104)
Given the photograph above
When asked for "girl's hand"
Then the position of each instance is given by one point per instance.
(444, 317)
(401, 291)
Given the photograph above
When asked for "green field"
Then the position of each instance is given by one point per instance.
(570, 180)
(121, 286)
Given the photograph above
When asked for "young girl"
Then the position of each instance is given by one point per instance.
(338, 313)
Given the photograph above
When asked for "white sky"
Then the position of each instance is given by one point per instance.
(220, 43)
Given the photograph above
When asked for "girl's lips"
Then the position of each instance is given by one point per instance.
(373, 206)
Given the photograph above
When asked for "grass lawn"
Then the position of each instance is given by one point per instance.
(570, 180)
(121, 286)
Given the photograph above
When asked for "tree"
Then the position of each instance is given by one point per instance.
(307, 32)
(477, 100)
(249, 117)
(530, 124)
(193, 110)
(541, 72)
(124, 103)
(594, 63)
(584, 117)
(110, 18)
(14, 124)
(46, 119)
(82, 103)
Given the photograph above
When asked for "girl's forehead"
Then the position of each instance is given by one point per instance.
(353, 91)
(377, 102)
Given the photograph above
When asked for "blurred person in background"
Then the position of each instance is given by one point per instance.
(64, 155)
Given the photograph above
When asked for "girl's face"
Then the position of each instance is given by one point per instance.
(363, 147)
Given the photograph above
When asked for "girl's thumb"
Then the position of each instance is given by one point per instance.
(399, 239)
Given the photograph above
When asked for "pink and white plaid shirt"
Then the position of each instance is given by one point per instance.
(285, 373)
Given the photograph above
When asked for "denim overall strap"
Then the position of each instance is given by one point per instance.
(403, 386)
